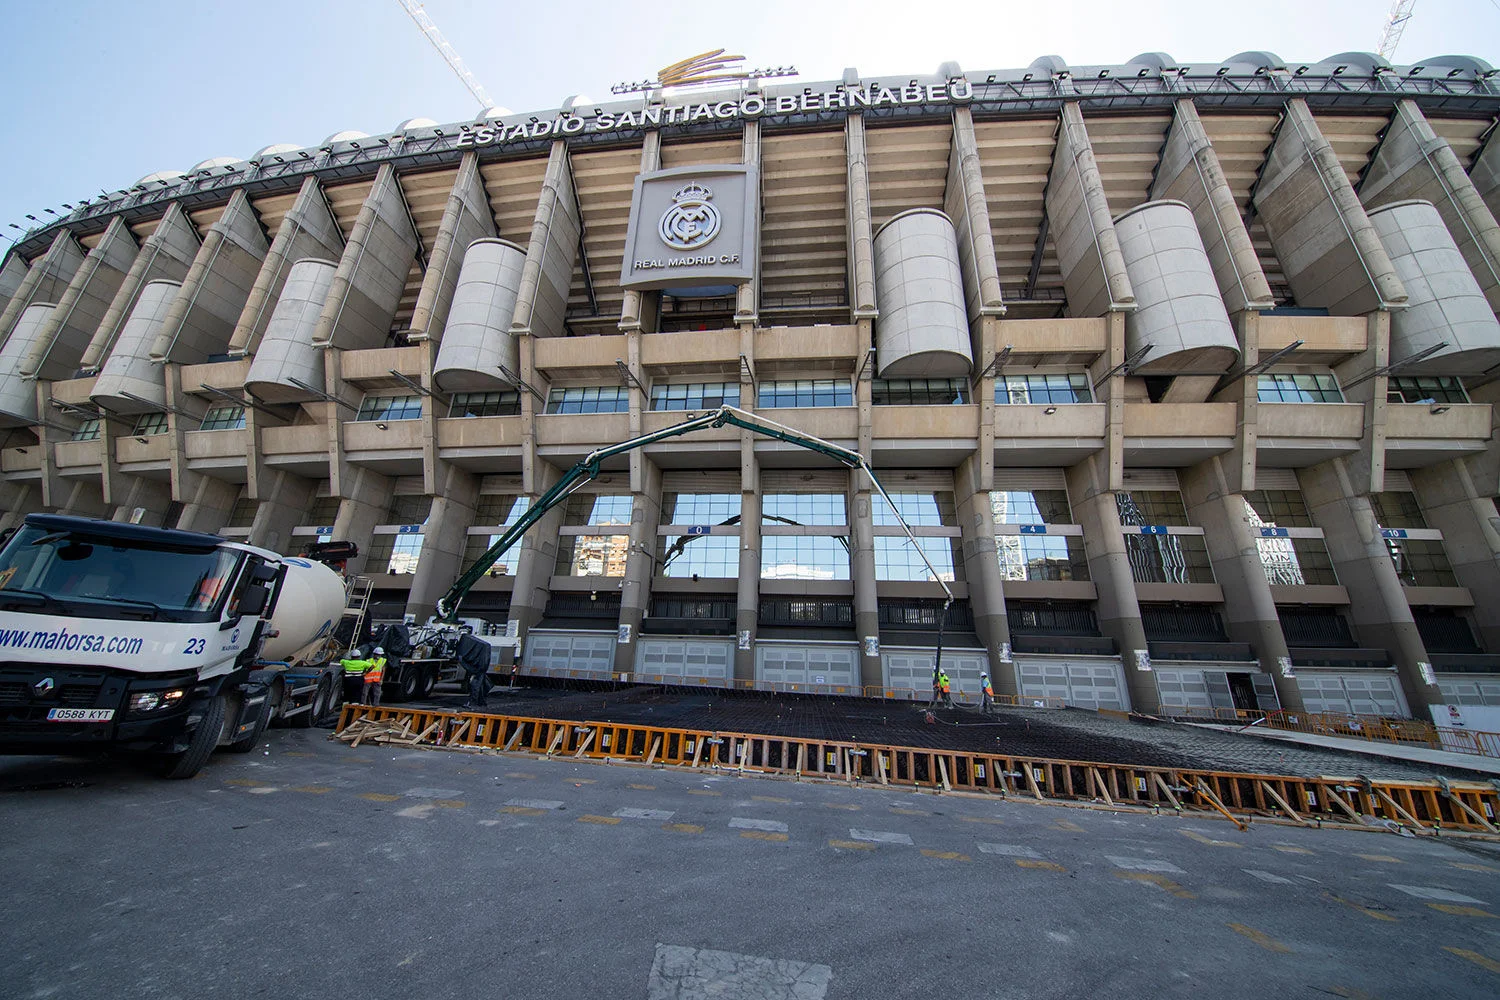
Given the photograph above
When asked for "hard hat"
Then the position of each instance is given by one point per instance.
(379, 651)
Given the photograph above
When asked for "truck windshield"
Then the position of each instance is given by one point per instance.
(96, 577)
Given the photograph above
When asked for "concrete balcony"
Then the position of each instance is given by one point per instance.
(1292, 435)
(78, 457)
(805, 350)
(390, 447)
(1027, 435)
(564, 438)
(717, 446)
(299, 448)
(220, 454)
(1326, 340)
(1177, 434)
(838, 424)
(371, 370)
(221, 375)
(15, 463)
(74, 390)
(1324, 593)
(1049, 341)
(710, 350)
(924, 435)
(481, 444)
(1416, 436)
(580, 358)
(1050, 590)
(145, 456)
(1190, 593)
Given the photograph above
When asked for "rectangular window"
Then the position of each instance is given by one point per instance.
(410, 508)
(897, 559)
(690, 556)
(1286, 387)
(1296, 562)
(925, 509)
(589, 399)
(1277, 509)
(88, 430)
(1421, 562)
(504, 403)
(804, 508)
(243, 514)
(1041, 557)
(323, 512)
(1397, 509)
(224, 418)
(699, 508)
(1069, 388)
(1168, 559)
(804, 557)
(390, 408)
(478, 545)
(805, 392)
(503, 510)
(592, 555)
(150, 423)
(599, 508)
(695, 395)
(398, 554)
(1031, 507)
(1139, 507)
(919, 391)
(1425, 389)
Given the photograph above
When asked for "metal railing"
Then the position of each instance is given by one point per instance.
(1408, 732)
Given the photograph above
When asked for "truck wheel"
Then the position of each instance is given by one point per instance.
(407, 684)
(428, 682)
(205, 738)
(247, 742)
(322, 705)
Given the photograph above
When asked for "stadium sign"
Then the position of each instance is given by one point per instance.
(692, 227)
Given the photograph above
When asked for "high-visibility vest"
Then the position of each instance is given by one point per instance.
(356, 666)
(375, 672)
(945, 683)
(988, 690)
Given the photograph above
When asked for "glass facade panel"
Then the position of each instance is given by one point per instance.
(691, 556)
(1041, 557)
(805, 392)
(409, 508)
(500, 509)
(1277, 509)
(1031, 507)
(398, 554)
(148, 424)
(1287, 387)
(88, 430)
(804, 557)
(1139, 507)
(592, 555)
(699, 508)
(897, 559)
(478, 545)
(927, 509)
(243, 514)
(1425, 388)
(1069, 388)
(1397, 509)
(224, 418)
(504, 403)
(390, 408)
(589, 399)
(1168, 559)
(695, 395)
(599, 508)
(804, 508)
(322, 513)
(1421, 562)
(919, 391)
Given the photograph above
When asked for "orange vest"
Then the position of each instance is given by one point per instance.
(988, 691)
(945, 685)
(375, 671)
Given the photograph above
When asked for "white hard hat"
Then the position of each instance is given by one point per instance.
(380, 650)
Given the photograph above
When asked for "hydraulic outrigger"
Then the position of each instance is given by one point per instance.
(589, 467)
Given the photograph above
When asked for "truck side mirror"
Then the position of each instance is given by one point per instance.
(253, 601)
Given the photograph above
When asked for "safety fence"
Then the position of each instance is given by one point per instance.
(1410, 732)
(1422, 806)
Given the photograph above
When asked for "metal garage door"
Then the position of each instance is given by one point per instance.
(1469, 692)
(911, 670)
(570, 653)
(819, 666)
(1096, 683)
(708, 660)
(1353, 694)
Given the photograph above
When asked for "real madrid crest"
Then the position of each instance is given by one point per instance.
(691, 221)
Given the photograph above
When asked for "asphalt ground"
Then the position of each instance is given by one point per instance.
(311, 869)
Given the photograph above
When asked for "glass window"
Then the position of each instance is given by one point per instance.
(919, 391)
(1296, 562)
(897, 559)
(805, 392)
(1139, 507)
(1286, 387)
(243, 514)
(1397, 509)
(1041, 557)
(589, 399)
(804, 557)
(599, 508)
(150, 423)
(500, 510)
(398, 554)
(1031, 507)
(1277, 509)
(224, 418)
(389, 408)
(699, 508)
(409, 509)
(503, 403)
(695, 395)
(927, 509)
(1421, 562)
(1425, 388)
(323, 512)
(1168, 559)
(478, 545)
(699, 556)
(88, 430)
(804, 508)
(592, 555)
(1069, 388)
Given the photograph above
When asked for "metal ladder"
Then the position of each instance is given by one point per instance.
(358, 605)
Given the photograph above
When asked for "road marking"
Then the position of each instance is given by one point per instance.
(1471, 867)
(520, 774)
(901, 811)
(1385, 858)
(703, 791)
(296, 753)
(601, 820)
(535, 803)
(583, 781)
(1195, 835)
(982, 819)
(1261, 938)
(1482, 961)
(679, 973)
(489, 822)
(523, 811)
(658, 814)
(771, 798)
(1145, 865)
(1285, 849)
(1160, 881)
(779, 838)
(1048, 866)
(416, 812)
(264, 790)
(1009, 850)
(245, 783)
(432, 793)
(1068, 825)
(842, 805)
(945, 855)
(851, 845)
(768, 825)
(1434, 892)
(1372, 914)
(378, 797)
(1267, 876)
(313, 789)
(450, 803)
(682, 828)
(879, 837)
(1462, 911)
(643, 788)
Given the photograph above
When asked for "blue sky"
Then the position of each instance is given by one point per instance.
(102, 92)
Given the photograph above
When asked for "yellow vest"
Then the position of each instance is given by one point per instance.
(375, 672)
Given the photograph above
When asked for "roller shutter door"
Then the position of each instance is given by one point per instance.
(911, 669)
(1080, 683)
(1351, 694)
(807, 665)
(1470, 692)
(690, 659)
(571, 652)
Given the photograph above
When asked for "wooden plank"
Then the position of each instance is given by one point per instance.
(583, 747)
(1207, 793)
(1100, 784)
(1286, 806)
(515, 737)
(655, 747)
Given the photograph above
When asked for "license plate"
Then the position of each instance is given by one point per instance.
(80, 714)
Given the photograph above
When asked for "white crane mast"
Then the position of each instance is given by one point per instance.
(441, 44)
(1395, 24)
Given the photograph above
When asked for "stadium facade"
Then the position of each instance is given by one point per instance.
(1183, 374)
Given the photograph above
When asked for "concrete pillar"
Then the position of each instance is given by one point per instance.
(1190, 173)
(551, 252)
(201, 321)
(1414, 162)
(640, 559)
(1078, 216)
(747, 295)
(976, 519)
(747, 593)
(1249, 609)
(862, 575)
(307, 230)
(1329, 251)
(538, 559)
(46, 281)
(642, 309)
(66, 334)
(54, 488)
(1367, 468)
(165, 255)
(185, 413)
(12, 276)
(142, 501)
(861, 235)
(466, 218)
(82, 499)
(1377, 602)
(1486, 173)
(454, 506)
(366, 499)
(1452, 502)
(16, 501)
(372, 272)
(966, 205)
(207, 505)
(284, 499)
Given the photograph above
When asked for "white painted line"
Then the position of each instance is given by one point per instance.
(433, 793)
(768, 825)
(879, 837)
(659, 814)
(1433, 892)
(263, 791)
(680, 973)
(1267, 876)
(1010, 851)
(1145, 865)
(416, 812)
(535, 803)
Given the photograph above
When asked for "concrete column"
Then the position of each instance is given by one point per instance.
(640, 559)
(201, 320)
(82, 499)
(966, 205)
(1244, 392)
(307, 230)
(1486, 173)
(862, 575)
(1452, 502)
(642, 309)
(149, 497)
(284, 499)
(466, 218)
(12, 276)
(538, 558)
(747, 594)
(372, 272)
(861, 235)
(185, 413)
(1329, 251)
(1093, 502)
(71, 325)
(46, 281)
(1368, 467)
(1078, 216)
(16, 501)
(165, 255)
(976, 518)
(443, 540)
(747, 295)
(208, 505)
(542, 299)
(1414, 162)
(54, 489)
(366, 499)
(1190, 173)
(1377, 602)
(1249, 609)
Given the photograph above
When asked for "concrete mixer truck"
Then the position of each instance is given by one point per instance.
(171, 643)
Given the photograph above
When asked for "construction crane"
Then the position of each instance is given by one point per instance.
(1395, 24)
(449, 55)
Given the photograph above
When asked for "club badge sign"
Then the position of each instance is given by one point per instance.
(692, 227)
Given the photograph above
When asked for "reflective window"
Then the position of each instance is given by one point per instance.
(1288, 562)
(504, 403)
(919, 391)
(322, 513)
(1425, 388)
(896, 558)
(804, 508)
(1031, 507)
(599, 508)
(592, 555)
(699, 508)
(805, 392)
(398, 554)
(1069, 388)
(224, 418)
(503, 510)
(1421, 562)
(1286, 387)
(928, 509)
(804, 557)
(589, 399)
(88, 430)
(150, 423)
(478, 545)
(1168, 559)
(243, 514)
(389, 408)
(1041, 557)
(1138, 507)
(409, 508)
(699, 556)
(1277, 509)
(695, 396)
(1397, 509)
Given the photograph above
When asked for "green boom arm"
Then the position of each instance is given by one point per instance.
(588, 468)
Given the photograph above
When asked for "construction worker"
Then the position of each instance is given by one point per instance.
(986, 693)
(374, 677)
(354, 672)
(947, 688)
